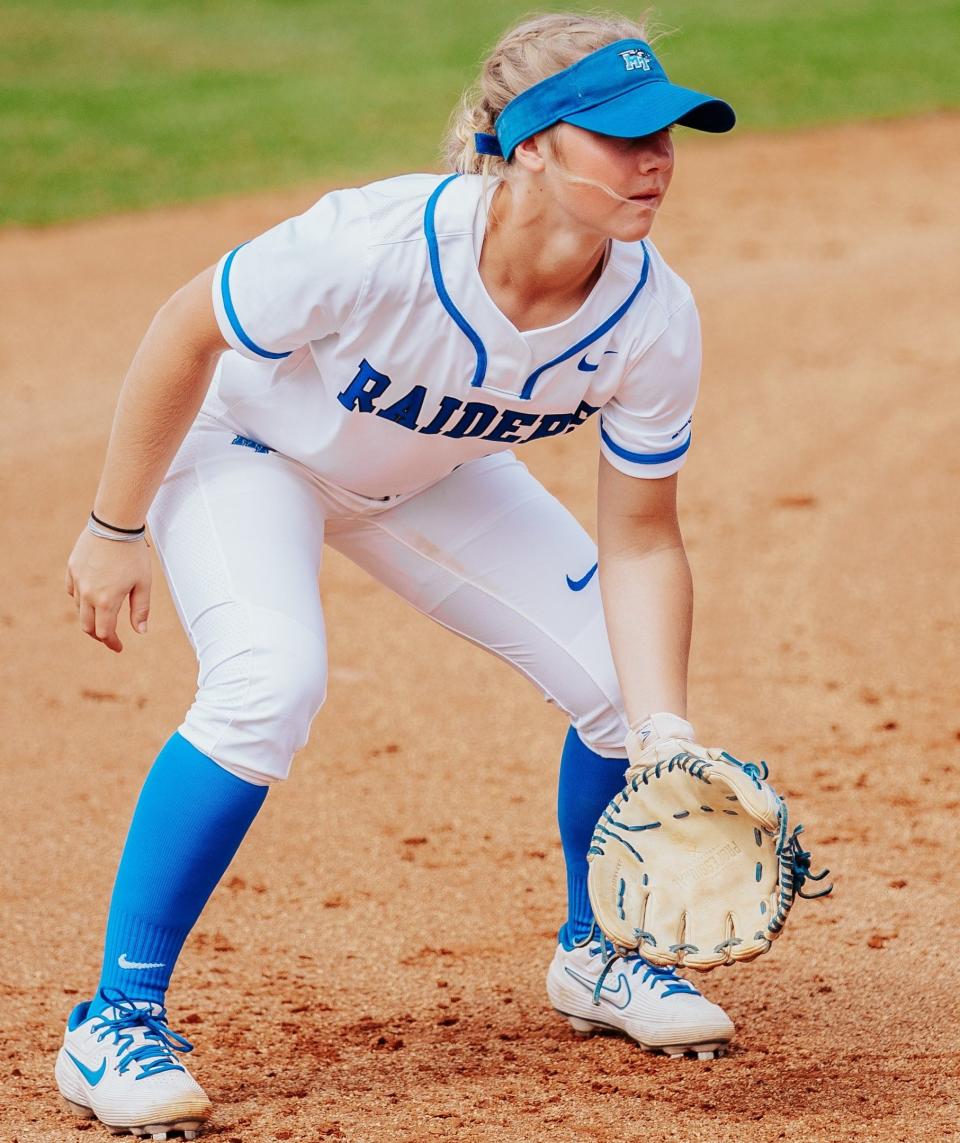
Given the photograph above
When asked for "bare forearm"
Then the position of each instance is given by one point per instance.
(161, 394)
(648, 603)
(647, 590)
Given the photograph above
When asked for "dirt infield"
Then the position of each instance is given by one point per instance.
(403, 999)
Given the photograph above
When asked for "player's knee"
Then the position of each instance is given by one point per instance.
(604, 730)
(595, 702)
(261, 684)
(287, 686)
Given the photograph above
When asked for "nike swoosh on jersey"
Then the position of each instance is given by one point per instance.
(607, 993)
(587, 366)
(124, 963)
(92, 1077)
(580, 584)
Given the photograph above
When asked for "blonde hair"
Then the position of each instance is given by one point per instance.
(533, 50)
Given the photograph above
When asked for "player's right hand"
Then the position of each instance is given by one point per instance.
(101, 574)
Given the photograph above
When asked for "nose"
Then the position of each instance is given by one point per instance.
(655, 152)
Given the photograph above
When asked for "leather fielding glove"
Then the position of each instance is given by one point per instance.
(693, 862)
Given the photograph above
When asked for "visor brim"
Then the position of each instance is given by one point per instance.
(653, 106)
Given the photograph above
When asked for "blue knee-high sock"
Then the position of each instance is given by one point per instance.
(189, 822)
(587, 783)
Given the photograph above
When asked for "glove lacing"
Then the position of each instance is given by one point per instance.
(788, 848)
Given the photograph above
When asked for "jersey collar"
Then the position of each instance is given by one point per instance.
(448, 222)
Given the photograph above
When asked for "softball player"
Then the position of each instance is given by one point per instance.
(364, 375)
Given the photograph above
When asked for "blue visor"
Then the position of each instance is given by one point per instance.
(619, 90)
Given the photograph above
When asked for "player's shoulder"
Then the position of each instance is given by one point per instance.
(363, 218)
(664, 288)
(397, 206)
(403, 188)
(394, 198)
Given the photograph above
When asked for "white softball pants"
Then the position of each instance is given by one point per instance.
(486, 552)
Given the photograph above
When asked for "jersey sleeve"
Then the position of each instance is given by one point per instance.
(645, 427)
(295, 283)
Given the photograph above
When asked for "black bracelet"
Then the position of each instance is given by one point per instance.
(113, 528)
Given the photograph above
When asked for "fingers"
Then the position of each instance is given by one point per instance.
(106, 626)
(88, 617)
(73, 590)
(100, 576)
(140, 607)
(100, 623)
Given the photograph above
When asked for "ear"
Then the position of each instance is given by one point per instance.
(529, 155)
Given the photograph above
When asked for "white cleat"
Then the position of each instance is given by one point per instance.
(599, 991)
(121, 1067)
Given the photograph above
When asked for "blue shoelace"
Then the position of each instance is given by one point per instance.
(653, 975)
(153, 1057)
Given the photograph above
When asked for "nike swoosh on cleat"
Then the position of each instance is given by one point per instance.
(606, 992)
(92, 1077)
(124, 963)
(580, 584)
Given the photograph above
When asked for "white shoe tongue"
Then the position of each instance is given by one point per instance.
(116, 1012)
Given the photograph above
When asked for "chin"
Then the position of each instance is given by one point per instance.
(633, 230)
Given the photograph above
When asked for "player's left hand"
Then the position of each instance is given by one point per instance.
(100, 575)
(693, 863)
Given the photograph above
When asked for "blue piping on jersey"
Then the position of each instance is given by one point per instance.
(644, 457)
(527, 392)
(232, 313)
(430, 230)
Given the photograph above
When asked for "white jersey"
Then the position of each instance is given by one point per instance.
(366, 347)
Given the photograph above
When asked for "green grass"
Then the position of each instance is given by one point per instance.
(117, 105)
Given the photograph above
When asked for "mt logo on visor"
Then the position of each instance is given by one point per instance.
(636, 60)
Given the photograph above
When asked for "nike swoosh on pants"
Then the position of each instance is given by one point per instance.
(580, 584)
